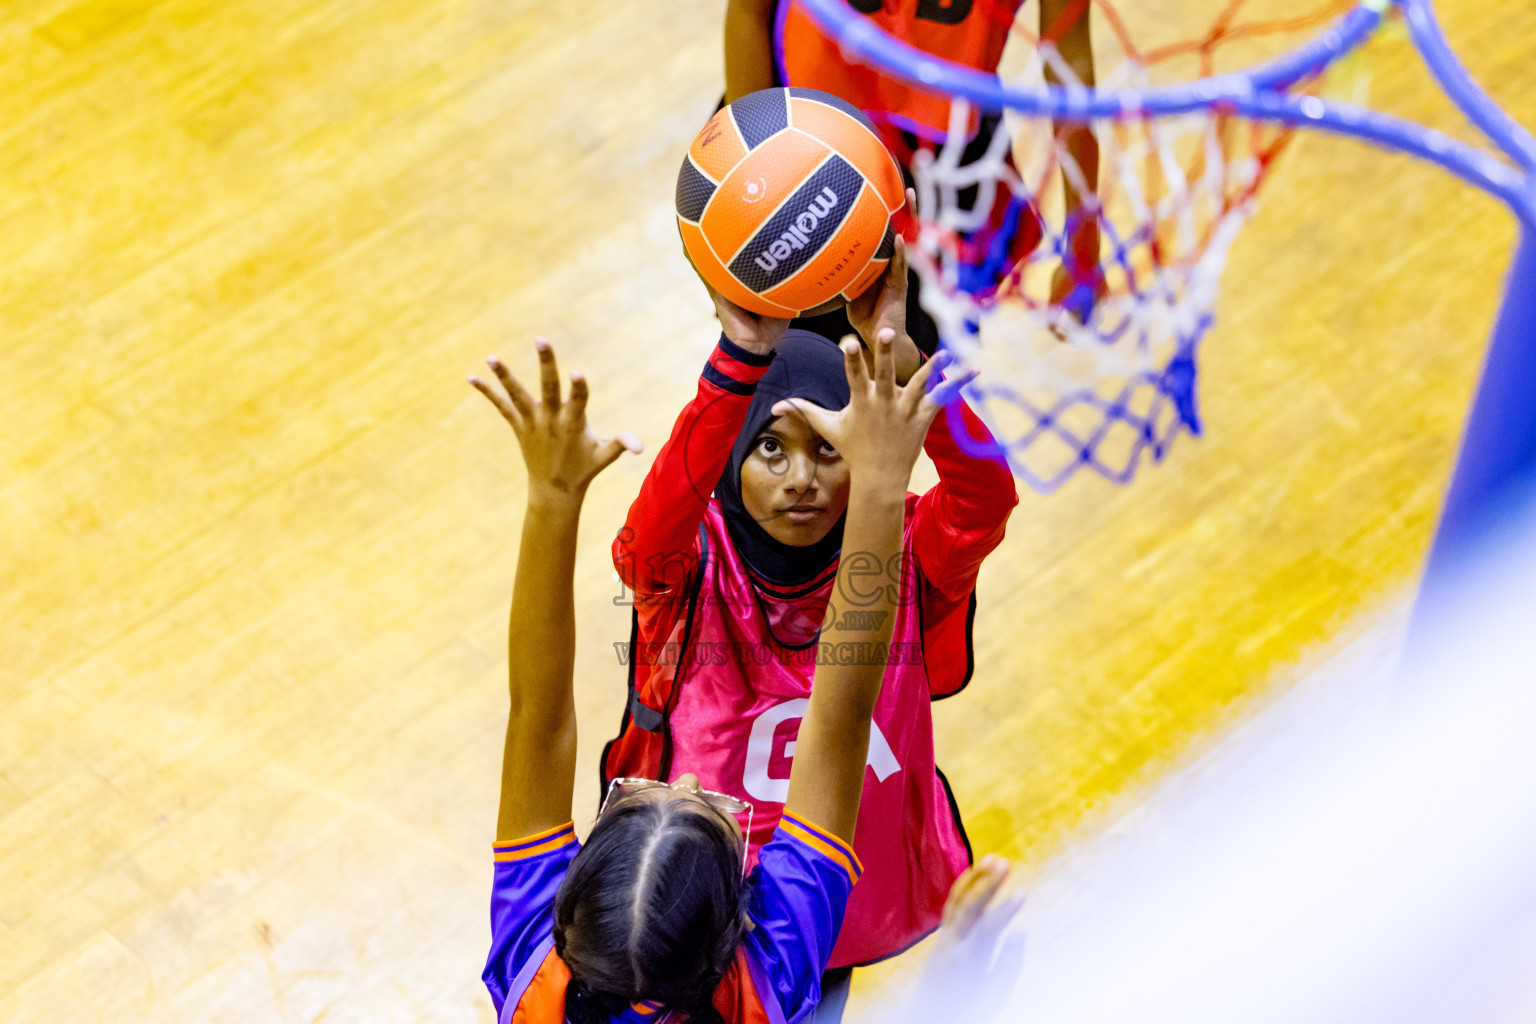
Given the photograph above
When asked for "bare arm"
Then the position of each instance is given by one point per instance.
(562, 456)
(748, 47)
(879, 434)
(1068, 23)
(959, 521)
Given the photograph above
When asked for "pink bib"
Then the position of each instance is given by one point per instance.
(742, 675)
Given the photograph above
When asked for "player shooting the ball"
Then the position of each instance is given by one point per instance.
(771, 43)
(738, 597)
(654, 918)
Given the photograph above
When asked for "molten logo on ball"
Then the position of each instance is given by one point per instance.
(784, 202)
(799, 232)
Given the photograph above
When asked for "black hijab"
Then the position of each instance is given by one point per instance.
(806, 366)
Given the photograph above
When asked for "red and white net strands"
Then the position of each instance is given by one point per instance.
(1085, 320)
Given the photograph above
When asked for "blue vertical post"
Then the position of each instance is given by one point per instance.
(1496, 467)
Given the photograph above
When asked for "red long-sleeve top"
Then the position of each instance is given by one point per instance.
(955, 524)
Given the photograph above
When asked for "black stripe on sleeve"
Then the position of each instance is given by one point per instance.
(741, 355)
(725, 383)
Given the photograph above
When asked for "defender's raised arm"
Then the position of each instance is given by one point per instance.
(879, 434)
(562, 457)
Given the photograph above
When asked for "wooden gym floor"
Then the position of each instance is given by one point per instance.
(256, 534)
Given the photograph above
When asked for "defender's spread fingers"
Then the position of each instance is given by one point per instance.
(608, 451)
(576, 406)
(928, 372)
(885, 362)
(853, 366)
(499, 400)
(820, 420)
(549, 375)
(521, 400)
(947, 391)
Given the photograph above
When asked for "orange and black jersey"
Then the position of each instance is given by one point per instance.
(971, 33)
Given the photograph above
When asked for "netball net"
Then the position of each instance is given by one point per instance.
(1085, 318)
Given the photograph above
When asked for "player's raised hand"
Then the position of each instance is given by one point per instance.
(973, 899)
(559, 449)
(976, 955)
(751, 331)
(882, 428)
(883, 305)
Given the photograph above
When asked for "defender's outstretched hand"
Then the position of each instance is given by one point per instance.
(559, 449)
(881, 430)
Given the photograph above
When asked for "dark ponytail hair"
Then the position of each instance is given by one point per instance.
(652, 908)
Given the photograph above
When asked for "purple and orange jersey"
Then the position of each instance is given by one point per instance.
(799, 891)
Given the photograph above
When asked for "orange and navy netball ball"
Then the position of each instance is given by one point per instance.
(784, 202)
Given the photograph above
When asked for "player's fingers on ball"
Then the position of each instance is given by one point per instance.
(860, 306)
(733, 319)
(911, 196)
(722, 309)
(897, 272)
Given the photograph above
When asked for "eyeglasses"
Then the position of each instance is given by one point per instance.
(725, 804)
